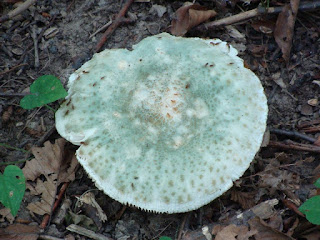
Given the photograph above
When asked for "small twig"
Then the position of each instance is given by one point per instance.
(101, 29)
(47, 237)
(114, 25)
(46, 136)
(15, 162)
(251, 14)
(290, 145)
(13, 68)
(47, 217)
(24, 6)
(293, 134)
(88, 233)
(38, 38)
(13, 148)
(13, 94)
(35, 45)
(182, 226)
(312, 129)
(289, 204)
(307, 124)
(120, 213)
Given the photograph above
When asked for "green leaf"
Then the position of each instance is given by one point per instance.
(44, 90)
(12, 188)
(311, 208)
(317, 183)
(165, 238)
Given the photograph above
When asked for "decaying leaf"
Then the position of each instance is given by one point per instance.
(81, 220)
(245, 199)
(47, 190)
(20, 232)
(89, 198)
(6, 213)
(189, 16)
(265, 209)
(277, 179)
(266, 232)
(231, 232)
(53, 162)
(283, 32)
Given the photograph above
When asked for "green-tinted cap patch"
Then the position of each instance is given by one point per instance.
(168, 126)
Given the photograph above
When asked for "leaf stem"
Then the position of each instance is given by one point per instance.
(14, 148)
(15, 162)
(52, 109)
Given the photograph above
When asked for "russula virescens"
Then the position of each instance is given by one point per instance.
(168, 126)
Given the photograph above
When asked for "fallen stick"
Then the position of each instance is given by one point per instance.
(114, 25)
(251, 14)
(13, 68)
(293, 134)
(85, 232)
(24, 6)
(47, 217)
(290, 145)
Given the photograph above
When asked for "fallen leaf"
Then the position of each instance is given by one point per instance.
(233, 32)
(276, 179)
(283, 32)
(306, 110)
(158, 9)
(20, 232)
(82, 220)
(89, 199)
(315, 235)
(266, 232)
(230, 232)
(6, 213)
(265, 209)
(264, 26)
(56, 165)
(189, 16)
(278, 80)
(245, 199)
(47, 190)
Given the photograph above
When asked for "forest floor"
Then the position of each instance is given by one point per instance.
(56, 37)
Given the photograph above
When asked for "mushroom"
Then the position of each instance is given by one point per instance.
(168, 126)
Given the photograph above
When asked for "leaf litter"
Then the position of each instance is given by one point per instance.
(189, 16)
(284, 29)
(50, 167)
(278, 217)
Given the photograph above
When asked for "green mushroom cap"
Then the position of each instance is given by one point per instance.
(168, 126)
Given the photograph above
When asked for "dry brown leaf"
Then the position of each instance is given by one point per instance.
(56, 165)
(315, 235)
(189, 16)
(6, 213)
(20, 232)
(283, 32)
(47, 190)
(89, 199)
(47, 160)
(265, 209)
(264, 26)
(266, 232)
(275, 178)
(230, 232)
(245, 199)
